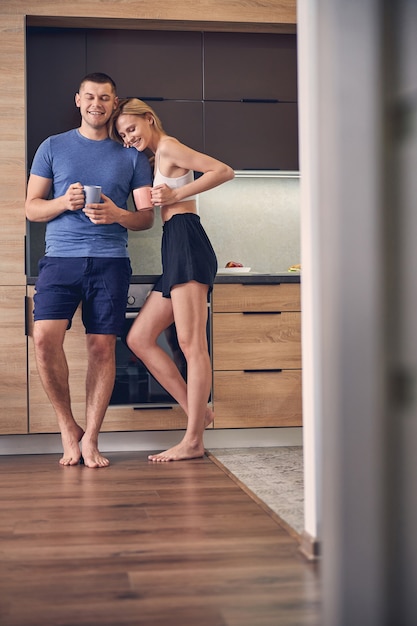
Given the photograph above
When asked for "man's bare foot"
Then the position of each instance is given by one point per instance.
(209, 417)
(91, 455)
(71, 444)
(180, 452)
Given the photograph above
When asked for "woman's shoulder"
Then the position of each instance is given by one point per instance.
(168, 145)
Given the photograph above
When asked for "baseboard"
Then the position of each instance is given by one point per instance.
(156, 440)
(310, 547)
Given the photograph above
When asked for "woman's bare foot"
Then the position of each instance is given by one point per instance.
(180, 452)
(71, 445)
(91, 455)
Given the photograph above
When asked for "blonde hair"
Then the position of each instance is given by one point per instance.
(132, 106)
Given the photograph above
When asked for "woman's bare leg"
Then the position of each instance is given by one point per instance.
(155, 316)
(189, 305)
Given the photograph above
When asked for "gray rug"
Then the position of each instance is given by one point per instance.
(274, 475)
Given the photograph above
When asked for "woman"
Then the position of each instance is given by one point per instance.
(189, 267)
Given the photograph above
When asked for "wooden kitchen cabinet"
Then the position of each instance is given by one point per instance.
(13, 396)
(257, 355)
(118, 418)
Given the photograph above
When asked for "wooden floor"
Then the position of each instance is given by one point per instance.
(175, 544)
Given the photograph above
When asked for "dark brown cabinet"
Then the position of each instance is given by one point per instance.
(55, 64)
(253, 136)
(149, 64)
(164, 68)
(231, 95)
(245, 66)
(250, 100)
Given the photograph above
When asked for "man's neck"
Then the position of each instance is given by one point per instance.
(95, 134)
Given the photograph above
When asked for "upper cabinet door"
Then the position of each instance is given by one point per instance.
(149, 64)
(252, 135)
(55, 65)
(250, 66)
(183, 120)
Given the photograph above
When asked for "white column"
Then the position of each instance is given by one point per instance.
(310, 276)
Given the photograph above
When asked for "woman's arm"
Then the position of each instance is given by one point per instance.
(175, 159)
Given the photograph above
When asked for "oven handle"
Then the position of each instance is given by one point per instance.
(130, 315)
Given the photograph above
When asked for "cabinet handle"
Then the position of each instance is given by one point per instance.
(264, 100)
(261, 371)
(152, 407)
(151, 98)
(261, 312)
(26, 317)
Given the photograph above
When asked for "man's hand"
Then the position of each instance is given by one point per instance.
(105, 212)
(74, 197)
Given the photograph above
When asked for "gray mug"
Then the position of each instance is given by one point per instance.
(92, 194)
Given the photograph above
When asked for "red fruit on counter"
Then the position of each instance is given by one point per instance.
(233, 264)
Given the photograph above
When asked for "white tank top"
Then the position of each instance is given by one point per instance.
(174, 183)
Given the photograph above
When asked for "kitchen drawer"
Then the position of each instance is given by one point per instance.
(256, 341)
(228, 298)
(257, 399)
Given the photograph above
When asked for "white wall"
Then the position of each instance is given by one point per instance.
(253, 219)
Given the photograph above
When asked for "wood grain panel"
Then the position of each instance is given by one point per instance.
(13, 381)
(256, 341)
(12, 149)
(228, 298)
(126, 418)
(145, 544)
(257, 399)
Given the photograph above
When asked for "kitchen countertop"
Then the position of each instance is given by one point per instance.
(251, 278)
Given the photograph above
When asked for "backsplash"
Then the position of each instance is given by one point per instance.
(253, 219)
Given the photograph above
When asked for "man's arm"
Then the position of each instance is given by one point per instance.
(39, 209)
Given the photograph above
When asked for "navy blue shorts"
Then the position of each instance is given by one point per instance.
(100, 284)
(187, 254)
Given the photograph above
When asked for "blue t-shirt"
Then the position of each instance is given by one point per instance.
(69, 158)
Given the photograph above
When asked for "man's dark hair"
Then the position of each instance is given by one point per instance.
(98, 77)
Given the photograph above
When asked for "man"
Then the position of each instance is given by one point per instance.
(86, 258)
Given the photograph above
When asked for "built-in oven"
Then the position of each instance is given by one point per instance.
(134, 384)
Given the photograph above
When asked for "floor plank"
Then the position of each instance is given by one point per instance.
(144, 544)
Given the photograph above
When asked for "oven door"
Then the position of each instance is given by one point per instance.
(134, 384)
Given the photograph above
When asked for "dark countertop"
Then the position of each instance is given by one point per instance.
(251, 278)
(248, 279)
(258, 279)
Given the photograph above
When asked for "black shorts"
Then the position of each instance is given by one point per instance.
(187, 254)
(100, 284)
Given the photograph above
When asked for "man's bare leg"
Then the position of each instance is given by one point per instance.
(99, 387)
(48, 337)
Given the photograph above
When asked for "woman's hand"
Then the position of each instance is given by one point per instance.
(162, 195)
